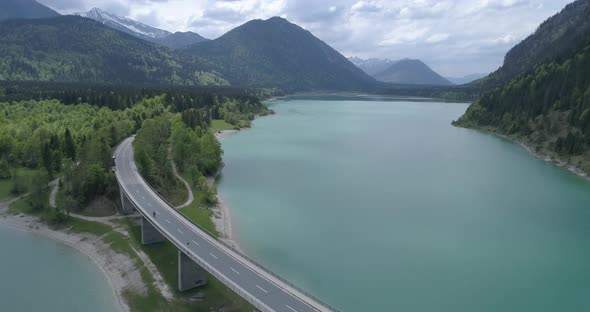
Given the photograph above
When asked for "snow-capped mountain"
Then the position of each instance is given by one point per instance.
(175, 40)
(373, 65)
(126, 25)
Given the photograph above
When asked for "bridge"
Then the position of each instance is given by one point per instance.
(199, 252)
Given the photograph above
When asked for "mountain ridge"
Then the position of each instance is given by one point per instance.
(277, 53)
(143, 31)
(28, 9)
(546, 105)
(77, 49)
(411, 71)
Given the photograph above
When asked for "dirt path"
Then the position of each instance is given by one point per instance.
(189, 189)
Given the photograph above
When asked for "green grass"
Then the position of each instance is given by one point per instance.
(23, 205)
(196, 212)
(219, 125)
(214, 295)
(6, 184)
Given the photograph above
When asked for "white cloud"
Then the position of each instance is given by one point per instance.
(437, 38)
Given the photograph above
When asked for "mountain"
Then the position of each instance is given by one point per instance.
(556, 38)
(179, 40)
(546, 106)
(143, 31)
(72, 48)
(408, 71)
(276, 53)
(24, 9)
(373, 65)
(465, 79)
(125, 25)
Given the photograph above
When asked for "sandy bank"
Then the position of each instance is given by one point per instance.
(223, 133)
(121, 270)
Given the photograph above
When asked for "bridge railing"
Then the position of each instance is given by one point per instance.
(258, 265)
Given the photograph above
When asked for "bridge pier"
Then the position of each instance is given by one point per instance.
(149, 234)
(127, 206)
(190, 274)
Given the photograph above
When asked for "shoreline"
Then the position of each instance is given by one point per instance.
(119, 269)
(539, 155)
(221, 214)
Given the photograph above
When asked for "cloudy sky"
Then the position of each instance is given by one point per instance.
(455, 37)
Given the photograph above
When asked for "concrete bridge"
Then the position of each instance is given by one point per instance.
(199, 252)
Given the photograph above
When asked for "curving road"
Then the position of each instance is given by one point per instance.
(261, 289)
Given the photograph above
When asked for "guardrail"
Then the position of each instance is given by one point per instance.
(258, 265)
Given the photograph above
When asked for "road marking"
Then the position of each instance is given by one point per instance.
(149, 204)
(214, 256)
(137, 191)
(290, 308)
(179, 231)
(157, 212)
(235, 271)
(143, 197)
(168, 221)
(196, 243)
(262, 289)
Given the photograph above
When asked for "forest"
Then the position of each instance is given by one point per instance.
(71, 135)
(547, 108)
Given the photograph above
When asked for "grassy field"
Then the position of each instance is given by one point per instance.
(219, 125)
(23, 205)
(6, 184)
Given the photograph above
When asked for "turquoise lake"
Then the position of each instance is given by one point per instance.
(381, 205)
(39, 274)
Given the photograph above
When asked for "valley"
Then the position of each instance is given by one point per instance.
(294, 157)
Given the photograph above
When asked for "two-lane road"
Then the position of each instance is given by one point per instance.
(260, 288)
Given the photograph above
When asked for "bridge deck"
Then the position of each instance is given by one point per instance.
(261, 289)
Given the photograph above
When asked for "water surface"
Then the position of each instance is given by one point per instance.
(379, 205)
(38, 274)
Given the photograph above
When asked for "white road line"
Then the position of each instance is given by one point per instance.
(143, 197)
(157, 212)
(195, 243)
(168, 221)
(214, 256)
(179, 231)
(290, 308)
(262, 289)
(235, 271)
(149, 204)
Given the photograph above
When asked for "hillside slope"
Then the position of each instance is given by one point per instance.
(71, 48)
(10, 9)
(276, 53)
(371, 66)
(548, 107)
(409, 71)
(557, 38)
(143, 31)
(179, 39)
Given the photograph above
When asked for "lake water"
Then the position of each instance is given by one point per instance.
(38, 274)
(382, 205)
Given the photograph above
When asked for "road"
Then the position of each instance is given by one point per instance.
(263, 290)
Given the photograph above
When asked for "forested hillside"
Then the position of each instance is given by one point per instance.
(75, 141)
(548, 109)
(75, 49)
(556, 39)
(276, 53)
(11, 9)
